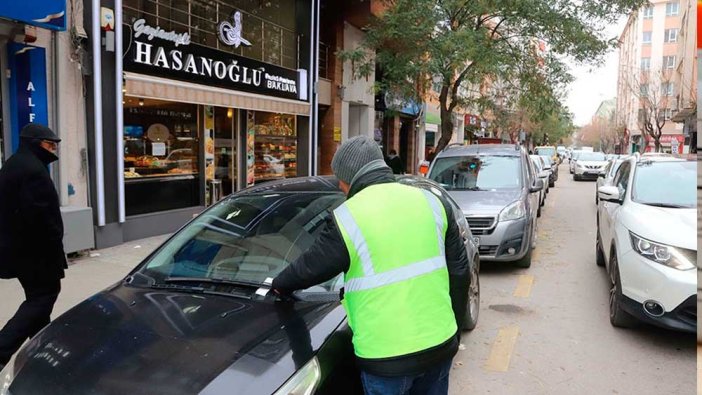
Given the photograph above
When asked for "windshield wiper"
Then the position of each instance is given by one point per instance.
(206, 280)
(666, 205)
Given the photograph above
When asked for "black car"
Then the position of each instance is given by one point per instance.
(196, 317)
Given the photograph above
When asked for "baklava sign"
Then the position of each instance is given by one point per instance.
(154, 51)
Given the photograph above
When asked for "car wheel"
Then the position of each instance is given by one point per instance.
(617, 316)
(525, 262)
(599, 254)
(473, 309)
(551, 184)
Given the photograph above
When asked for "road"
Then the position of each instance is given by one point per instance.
(546, 330)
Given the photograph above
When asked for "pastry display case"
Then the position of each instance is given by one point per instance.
(275, 146)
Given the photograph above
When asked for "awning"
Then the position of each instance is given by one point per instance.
(160, 88)
(433, 118)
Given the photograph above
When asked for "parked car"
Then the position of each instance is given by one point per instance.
(551, 166)
(588, 165)
(647, 240)
(498, 191)
(606, 176)
(573, 158)
(195, 317)
(561, 152)
(547, 150)
(543, 175)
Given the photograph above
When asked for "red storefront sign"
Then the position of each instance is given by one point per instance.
(472, 120)
(666, 140)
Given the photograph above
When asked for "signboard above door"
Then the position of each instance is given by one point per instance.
(49, 14)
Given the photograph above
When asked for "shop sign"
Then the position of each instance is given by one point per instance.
(337, 134)
(160, 54)
(49, 14)
(141, 28)
(472, 120)
(675, 141)
(28, 98)
(231, 34)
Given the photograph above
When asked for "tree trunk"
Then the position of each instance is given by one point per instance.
(446, 129)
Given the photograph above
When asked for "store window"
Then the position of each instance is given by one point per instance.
(271, 146)
(161, 155)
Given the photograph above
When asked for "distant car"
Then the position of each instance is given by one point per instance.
(496, 187)
(657, 155)
(588, 165)
(197, 317)
(571, 161)
(647, 240)
(606, 176)
(547, 150)
(587, 149)
(551, 166)
(543, 175)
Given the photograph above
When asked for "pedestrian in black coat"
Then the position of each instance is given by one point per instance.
(395, 163)
(31, 235)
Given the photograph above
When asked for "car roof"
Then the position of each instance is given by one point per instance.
(315, 184)
(480, 149)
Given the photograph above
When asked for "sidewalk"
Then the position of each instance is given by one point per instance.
(85, 276)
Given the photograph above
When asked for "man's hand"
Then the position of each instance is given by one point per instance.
(283, 296)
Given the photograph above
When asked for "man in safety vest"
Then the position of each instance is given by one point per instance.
(406, 274)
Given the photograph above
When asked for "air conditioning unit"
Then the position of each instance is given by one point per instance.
(78, 230)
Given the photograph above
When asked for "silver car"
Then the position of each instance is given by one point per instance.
(606, 175)
(498, 190)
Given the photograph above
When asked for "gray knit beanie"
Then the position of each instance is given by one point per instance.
(356, 154)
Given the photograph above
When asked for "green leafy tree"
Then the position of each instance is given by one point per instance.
(460, 43)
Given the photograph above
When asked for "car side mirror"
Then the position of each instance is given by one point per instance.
(538, 185)
(610, 193)
(543, 174)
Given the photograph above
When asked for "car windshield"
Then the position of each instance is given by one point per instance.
(548, 161)
(592, 157)
(545, 151)
(245, 239)
(666, 184)
(477, 172)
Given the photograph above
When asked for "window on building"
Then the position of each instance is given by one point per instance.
(643, 90)
(669, 62)
(672, 8)
(642, 115)
(671, 35)
(648, 12)
(647, 37)
(645, 64)
(667, 88)
(668, 114)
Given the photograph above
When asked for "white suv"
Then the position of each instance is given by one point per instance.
(647, 238)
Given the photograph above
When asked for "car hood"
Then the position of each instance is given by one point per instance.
(592, 163)
(671, 226)
(484, 202)
(129, 340)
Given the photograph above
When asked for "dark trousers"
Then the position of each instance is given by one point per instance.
(32, 315)
(434, 381)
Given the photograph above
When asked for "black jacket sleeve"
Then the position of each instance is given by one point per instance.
(458, 264)
(326, 258)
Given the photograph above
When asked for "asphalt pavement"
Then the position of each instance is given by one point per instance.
(546, 330)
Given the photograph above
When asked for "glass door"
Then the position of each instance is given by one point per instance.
(225, 123)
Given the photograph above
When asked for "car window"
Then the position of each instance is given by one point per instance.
(245, 238)
(531, 173)
(537, 164)
(671, 184)
(472, 172)
(621, 180)
(545, 151)
(614, 166)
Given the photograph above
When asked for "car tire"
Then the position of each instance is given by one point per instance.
(599, 254)
(538, 212)
(525, 262)
(617, 316)
(551, 184)
(470, 320)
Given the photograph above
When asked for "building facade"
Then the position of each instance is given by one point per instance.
(190, 101)
(650, 51)
(686, 74)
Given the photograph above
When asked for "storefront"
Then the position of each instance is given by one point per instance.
(208, 107)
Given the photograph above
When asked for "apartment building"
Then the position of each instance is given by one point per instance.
(649, 55)
(686, 70)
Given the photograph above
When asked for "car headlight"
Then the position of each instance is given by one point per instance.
(515, 210)
(304, 381)
(6, 376)
(579, 165)
(660, 253)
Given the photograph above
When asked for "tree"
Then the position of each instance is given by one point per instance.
(464, 42)
(654, 89)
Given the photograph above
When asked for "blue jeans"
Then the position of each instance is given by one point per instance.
(434, 381)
